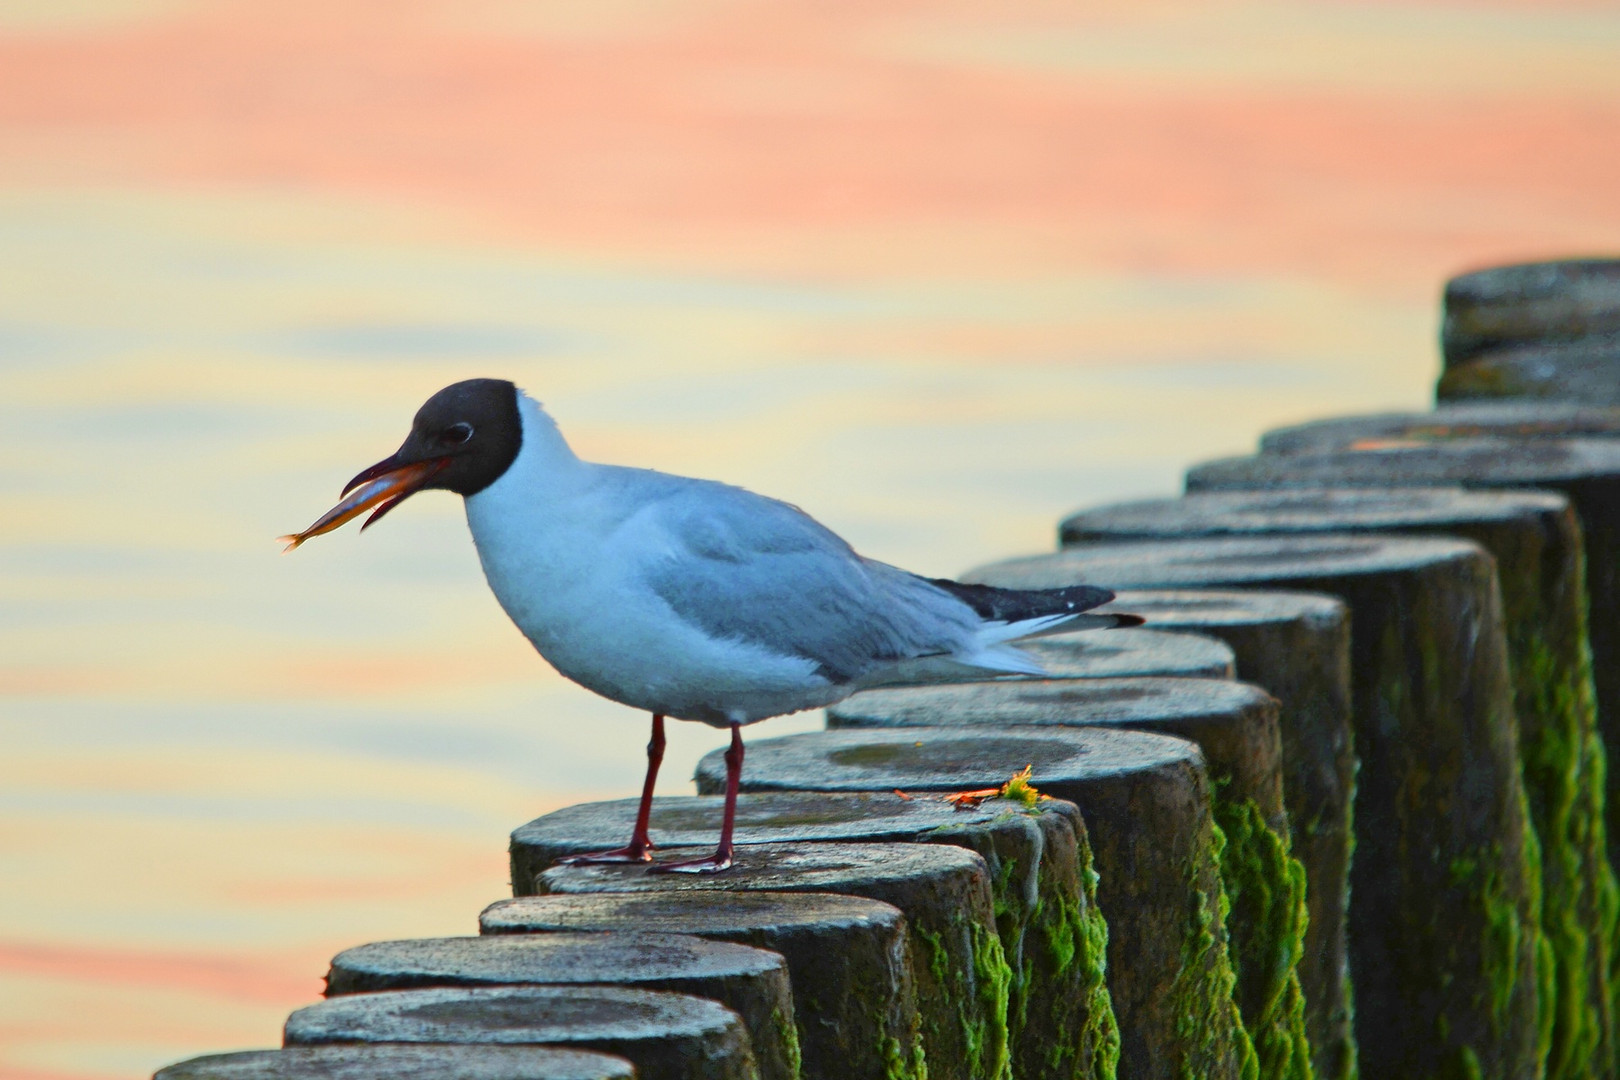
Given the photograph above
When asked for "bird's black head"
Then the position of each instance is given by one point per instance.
(471, 430)
(462, 440)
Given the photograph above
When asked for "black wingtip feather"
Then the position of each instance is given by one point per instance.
(1015, 605)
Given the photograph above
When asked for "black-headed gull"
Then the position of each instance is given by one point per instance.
(689, 598)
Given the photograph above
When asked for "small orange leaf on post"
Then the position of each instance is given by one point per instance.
(1017, 788)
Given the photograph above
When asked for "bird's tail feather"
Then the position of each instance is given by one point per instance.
(994, 647)
(1012, 614)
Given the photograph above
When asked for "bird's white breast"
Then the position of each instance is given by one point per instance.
(564, 546)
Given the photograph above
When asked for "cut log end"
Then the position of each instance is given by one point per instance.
(1270, 561)
(854, 999)
(752, 982)
(666, 1036)
(958, 964)
(1295, 512)
(1508, 419)
(1123, 653)
(403, 1062)
(1474, 463)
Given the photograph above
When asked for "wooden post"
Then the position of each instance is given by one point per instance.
(1582, 371)
(847, 960)
(1537, 546)
(960, 971)
(666, 1036)
(1587, 471)
(1060, 1021)
(1169, 973)
(1534, 330)
(751, 982)
(1528, 304)
(1297, 646)
(1444, 915)
(403, 1062)
(1122, 653)
(1235, 725)
(1511, 419)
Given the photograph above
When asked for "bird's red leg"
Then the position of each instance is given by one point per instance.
(721, 859)
(640, 847)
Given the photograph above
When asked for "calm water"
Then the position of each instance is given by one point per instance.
(934, 274)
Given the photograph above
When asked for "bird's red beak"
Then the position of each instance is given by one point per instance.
(383, 486)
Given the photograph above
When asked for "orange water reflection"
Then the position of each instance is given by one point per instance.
(935, 271)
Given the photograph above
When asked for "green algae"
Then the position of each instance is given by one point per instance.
(1074, 937)
(788, 1032)
(978, 985)
(903, 1065)
(1507, 922)
(902, 1060)
(1060, 1018)
(1473, 974)
(989, 1047)
(1350, 1063)
(1563, 765)
(1265, 886)
(1207, 1020)
(1465, 1066)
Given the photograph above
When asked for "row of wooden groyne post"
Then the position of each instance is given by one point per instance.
(1341, 807)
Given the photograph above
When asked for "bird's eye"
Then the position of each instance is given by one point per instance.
(456, 434)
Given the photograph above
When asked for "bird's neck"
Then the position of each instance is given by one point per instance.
(543, 444)
(527, 523)
(544, 471)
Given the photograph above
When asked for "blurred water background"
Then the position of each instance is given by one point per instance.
(935, 271)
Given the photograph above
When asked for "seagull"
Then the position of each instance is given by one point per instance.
(689, 598)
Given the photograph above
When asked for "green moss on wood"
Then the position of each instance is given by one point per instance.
(1265, 886)
(1564, 770)
(904, 1064)
(1465, 1066)
(1208, 1024)
(1488, 958)
(1074, 935)
(977, 985)
(1507, 921)
(1060, 1016)
(788, 1032)
(872, 994)
(987, 1044)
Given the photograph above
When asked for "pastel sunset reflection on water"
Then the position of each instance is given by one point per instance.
(938, 272)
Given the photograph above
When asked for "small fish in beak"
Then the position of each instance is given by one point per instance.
(384, 486)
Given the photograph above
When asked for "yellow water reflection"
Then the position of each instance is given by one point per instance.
(936, 273)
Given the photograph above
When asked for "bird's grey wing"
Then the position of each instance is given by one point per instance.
(747, 568)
